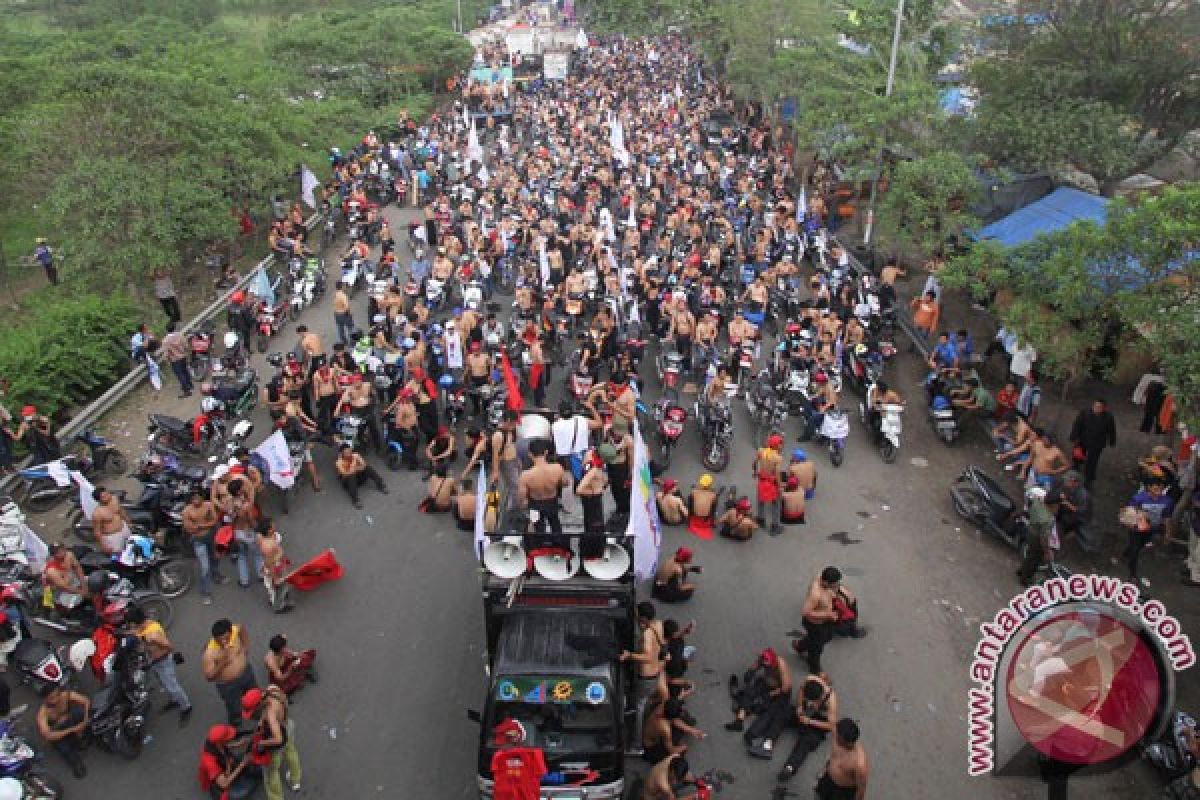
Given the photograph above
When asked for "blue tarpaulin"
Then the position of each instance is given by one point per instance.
(1053, 212)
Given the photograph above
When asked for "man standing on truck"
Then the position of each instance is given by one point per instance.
(517, 771)
(539, 487)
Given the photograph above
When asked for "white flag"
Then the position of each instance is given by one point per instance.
(481, 513)
(87, 503)
(581, 40)
(484, 176)
(274, 451)
(644, 527)
(308, 186)
(474, 148)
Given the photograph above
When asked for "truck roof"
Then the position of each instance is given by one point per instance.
(535, 643)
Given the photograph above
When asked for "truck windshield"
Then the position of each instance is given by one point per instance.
(572, 725)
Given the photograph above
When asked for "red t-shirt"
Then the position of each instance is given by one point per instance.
(517, 772)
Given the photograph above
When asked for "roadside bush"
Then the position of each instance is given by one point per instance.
(66, 351)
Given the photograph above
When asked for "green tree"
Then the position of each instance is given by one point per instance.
(929, 200)
(1104, 86)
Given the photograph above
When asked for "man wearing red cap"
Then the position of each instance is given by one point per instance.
(767, 466)
(517, 771)
(274, 743)
(737, 523)
(222, 773)
(672, 509)
(793, 504)
(671, 584)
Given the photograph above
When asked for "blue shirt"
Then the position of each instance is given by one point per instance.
(1156, 509)
(945, 354)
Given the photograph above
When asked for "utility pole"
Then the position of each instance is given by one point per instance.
(458, 7)
(887, 92)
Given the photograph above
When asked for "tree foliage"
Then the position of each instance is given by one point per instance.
(1104, 86)
(928, 200)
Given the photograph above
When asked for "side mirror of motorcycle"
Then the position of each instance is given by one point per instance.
(474, 716)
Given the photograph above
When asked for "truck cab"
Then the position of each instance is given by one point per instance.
(553, 665)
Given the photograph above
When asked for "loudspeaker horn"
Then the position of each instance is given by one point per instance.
(611, 565)
(557, 568)
(505, 558)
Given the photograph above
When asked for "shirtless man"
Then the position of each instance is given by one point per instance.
(441, 490)
(804, 471)
(479, 374)
(620, 397)
(64, 575)
(671, 583)
(819, 617)
(846, 773)
(681, 331)
(665, 777)
(792, 502)
(740, 329)
(707, 332)
(342, 316)
(404, 425)
(651, 656)
(767, 465)
(464, 505)
(1046, 462)
(702, 502)
(756, 295)
(672, 509)
(502, 445)
(663, 732)
(325, 395)
(226, 666)
(61, 721)
(199, 520)
(590, 491)
(539, 488)
(816, 715)
(1014, 442)
(310, 343)
(275, 566)
(110, 522)
(737, 523)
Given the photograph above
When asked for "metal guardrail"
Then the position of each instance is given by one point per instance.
(134, 378)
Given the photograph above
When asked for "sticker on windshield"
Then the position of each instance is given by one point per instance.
(507, 691)
(595, 693)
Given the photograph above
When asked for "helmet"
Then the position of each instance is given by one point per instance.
(820, 377)
(799, 455)
(231, 340)
(98, 581)
(238, 297)
(209, 405)
(792, 328)
(78, 655)
(705, 481)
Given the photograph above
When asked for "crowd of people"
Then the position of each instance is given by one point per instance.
(614, 213)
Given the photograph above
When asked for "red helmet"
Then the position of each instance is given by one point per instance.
(820, 377)
(792, 328)
(238, 297)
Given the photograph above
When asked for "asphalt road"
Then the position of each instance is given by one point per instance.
(399, 637)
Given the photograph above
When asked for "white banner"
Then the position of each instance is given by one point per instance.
(643, 512)
(274, 451)
(87, 503)
(308, 186)
(480, 513)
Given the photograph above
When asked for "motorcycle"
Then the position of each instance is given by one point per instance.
(177, 437)
(716, 428)
(764, 405)
(670, 370)
(270, 322)
(120, 708)
(890, 425)
(1170, 754)
(237, 393)
(352, 273)
(454, 401)
(835, 427)
(862, 368)
(744, 360)
(200, 342)
(981, 501)
(671, 418)
(158, 512)
(19, 761)
(144, 564)
(43, 490)
(117, 595)
(795, 390)
(234, 359)
(943, 419)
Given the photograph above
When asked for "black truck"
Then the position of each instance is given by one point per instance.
(553, 665)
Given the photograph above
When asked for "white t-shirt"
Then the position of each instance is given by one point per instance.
(570, 436)
(1022, 360)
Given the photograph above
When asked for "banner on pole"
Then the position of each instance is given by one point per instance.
(644, 526)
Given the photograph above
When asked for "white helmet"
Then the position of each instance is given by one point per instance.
(78, 656)
(231, 340)
(209, 404)
(11, 789)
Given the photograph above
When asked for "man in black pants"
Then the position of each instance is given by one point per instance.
(539, 487)
(816, 714)
(353, 471)
(1093, 430)
(819, 617)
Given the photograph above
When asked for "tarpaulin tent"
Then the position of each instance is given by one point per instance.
(1053, 212)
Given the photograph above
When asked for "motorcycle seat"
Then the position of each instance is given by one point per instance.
(995, 494)
(171, 424)
(238, 383)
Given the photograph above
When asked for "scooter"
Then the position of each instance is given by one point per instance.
(981, 501)
(671, 418)
(43, 490)
(200, 343)
(835, 427)
(890, 425)
(716, 428)
(270, 322)
(121, 708)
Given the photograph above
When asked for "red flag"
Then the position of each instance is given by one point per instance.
(515, 401)
(700, 527)
(310, 575)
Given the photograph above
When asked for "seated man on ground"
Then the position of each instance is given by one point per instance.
(792, 511)
(738, 523)
(671, 584)
(672, 509)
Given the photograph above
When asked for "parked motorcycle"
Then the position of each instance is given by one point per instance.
(177, 437)
(270, 320)
(716, 429)
(200, 342)
(835, 427)
(670, 370)
(42, 488)
(981, 501)
(352, 273)
(765, 407)
(120, 709)
(237, 392)
(118, 596)
(862, 367)
(104, 455)
(890, 425)
(671, 418)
